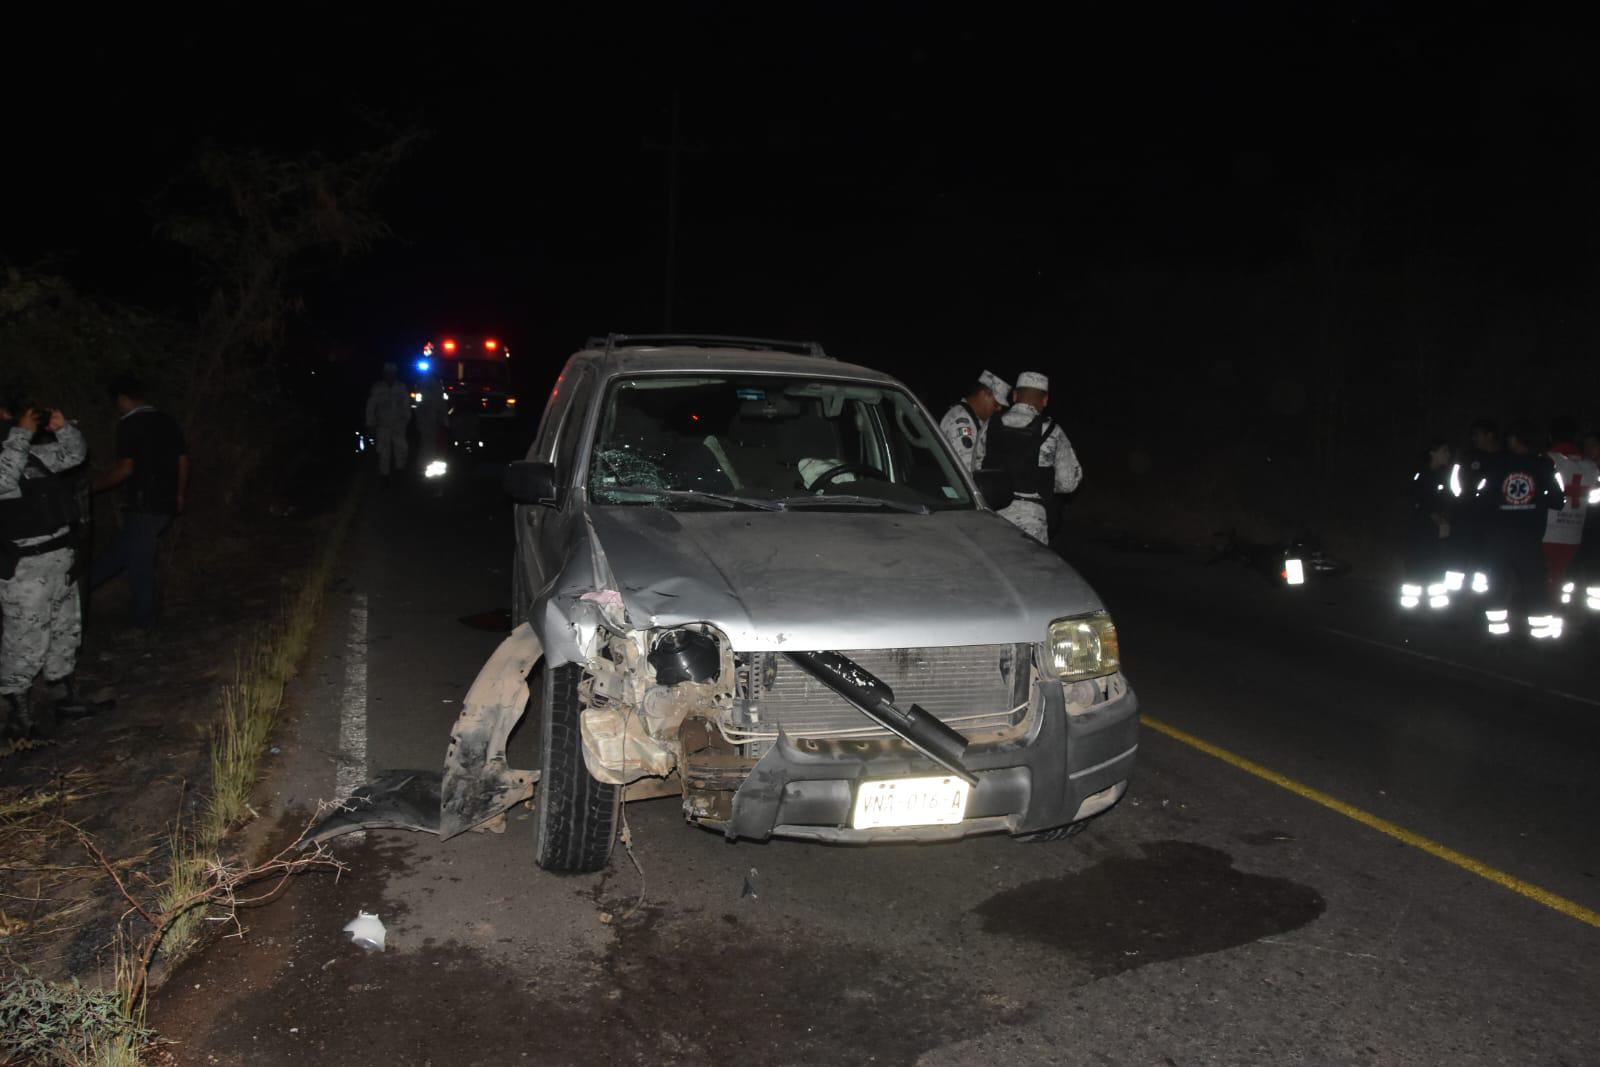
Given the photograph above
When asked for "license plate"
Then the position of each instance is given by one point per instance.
(909, 802)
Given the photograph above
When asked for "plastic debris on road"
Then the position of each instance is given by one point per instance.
(366, 930)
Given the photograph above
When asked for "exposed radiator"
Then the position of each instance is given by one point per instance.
(971, 687)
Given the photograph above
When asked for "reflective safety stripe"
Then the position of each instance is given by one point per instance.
(1454, 581)
(1545, 626)
(1497, 616)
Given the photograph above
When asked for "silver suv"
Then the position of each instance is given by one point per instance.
(758, 580)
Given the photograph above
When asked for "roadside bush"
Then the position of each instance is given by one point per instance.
(66, 1023)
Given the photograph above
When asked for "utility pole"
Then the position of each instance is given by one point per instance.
(673, 148)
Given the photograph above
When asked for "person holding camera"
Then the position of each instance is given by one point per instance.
(38, 596)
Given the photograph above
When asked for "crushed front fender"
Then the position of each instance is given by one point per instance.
(478, 784)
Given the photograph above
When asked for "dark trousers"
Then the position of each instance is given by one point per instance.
(1516, 571)
(134, 551)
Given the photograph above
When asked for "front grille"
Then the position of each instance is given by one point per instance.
(973, 688)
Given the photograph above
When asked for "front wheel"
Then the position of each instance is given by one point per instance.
(576, 814)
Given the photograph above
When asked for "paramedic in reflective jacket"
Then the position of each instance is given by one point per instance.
(37, 593)
(1036, 453)
(1516, 489)
(1429, 558)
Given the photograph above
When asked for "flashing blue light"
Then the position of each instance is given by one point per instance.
(423, 365)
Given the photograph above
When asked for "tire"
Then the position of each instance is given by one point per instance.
(576, 815)
(1055, 833)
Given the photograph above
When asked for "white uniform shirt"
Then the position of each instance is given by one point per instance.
(388, 405)
(1579, 478)
(965, 434)
(1056, 451)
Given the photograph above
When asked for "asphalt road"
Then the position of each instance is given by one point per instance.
(1213, 917)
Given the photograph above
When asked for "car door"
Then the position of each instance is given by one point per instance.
(560, 437)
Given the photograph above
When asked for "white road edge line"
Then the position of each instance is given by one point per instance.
(351, 770)
(1464, 667)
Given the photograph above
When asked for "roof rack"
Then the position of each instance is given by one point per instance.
(615, 341)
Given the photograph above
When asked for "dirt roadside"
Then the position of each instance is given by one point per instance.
(127, 775)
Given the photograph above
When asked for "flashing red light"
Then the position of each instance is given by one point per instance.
(491, 344)
(449, 346)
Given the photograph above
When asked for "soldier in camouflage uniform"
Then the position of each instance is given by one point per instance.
(963, 424)
(41, 627)
(1038, 455)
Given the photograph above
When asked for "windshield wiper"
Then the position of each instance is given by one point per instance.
(726, 500)
(855, 501)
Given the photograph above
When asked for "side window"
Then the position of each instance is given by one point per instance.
(570, 436)
(555, 409)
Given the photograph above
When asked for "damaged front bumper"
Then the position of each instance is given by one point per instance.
(1066, 768)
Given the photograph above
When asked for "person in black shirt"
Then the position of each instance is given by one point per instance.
(153, 470)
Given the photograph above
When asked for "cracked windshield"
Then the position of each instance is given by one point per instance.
(769, 442)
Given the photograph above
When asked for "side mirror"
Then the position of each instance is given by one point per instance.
(531, 483)
(996, 486)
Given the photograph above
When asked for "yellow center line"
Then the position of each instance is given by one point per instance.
(1569, 908)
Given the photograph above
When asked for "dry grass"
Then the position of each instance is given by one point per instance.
(71, 1024)
(252, 703)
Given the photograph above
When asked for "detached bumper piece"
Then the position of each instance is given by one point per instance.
(1066, 768)
(397, 800)
(477, 785)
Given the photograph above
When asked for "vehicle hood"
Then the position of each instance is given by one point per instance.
(809, 581)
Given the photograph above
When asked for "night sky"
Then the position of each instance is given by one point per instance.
(928, 192)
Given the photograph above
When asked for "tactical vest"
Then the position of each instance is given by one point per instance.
(1015, 449)
(48, 502)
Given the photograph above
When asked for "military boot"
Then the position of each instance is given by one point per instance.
(19, 713)
(66, 700)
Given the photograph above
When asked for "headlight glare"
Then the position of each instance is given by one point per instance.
(1084, 646)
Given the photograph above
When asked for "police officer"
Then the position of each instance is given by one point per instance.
(38, 595)
(388, 412)
(964, 424)
(1516, 488)
(1036, 453)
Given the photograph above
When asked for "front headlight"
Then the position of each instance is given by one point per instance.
(1084, 646)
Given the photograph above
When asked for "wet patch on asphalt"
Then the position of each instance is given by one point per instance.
(204, 1000)
(663, 991)
(1177, 900)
